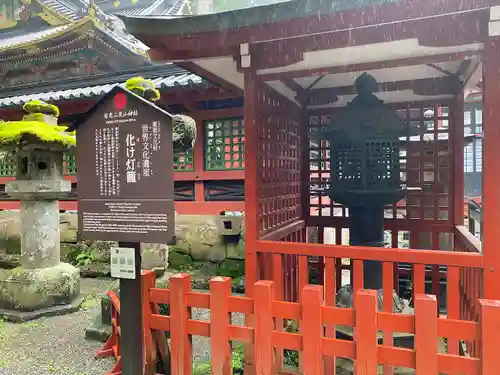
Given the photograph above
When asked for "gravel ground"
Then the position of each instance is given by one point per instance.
(57, 345)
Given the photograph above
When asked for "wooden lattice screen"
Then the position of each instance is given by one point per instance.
(279, 162)
(224, 144)
(426, 170)
(423, 219)
(280, 171)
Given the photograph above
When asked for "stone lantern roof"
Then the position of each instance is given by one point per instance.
(37, 128)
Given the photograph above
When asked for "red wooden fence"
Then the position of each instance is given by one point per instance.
(317, 351)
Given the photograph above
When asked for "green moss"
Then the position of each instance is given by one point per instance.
(179, 261)
(39, 106)
(231, 268)
(143, 87)
(12, 132)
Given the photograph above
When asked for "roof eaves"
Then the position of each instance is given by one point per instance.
(26, 40)
(61, 8)
(245, 17)
(185, 80)
(125, 40)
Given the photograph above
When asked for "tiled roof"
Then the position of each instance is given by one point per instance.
(177, 80)
(112, 26)
(131, 12)
(31, 37)
(61, 7)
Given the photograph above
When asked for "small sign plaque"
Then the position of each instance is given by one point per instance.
(125, 173)
(123, 262)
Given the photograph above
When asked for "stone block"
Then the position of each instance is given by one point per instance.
(10, 228)
(68, 227)
(199, 236)
(33, 189)
(236, 250)
(154, 256)
(33, 289)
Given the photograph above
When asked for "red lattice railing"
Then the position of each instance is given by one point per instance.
(318, 350)
(471, 280)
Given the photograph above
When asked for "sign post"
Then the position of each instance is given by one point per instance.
(125, 188)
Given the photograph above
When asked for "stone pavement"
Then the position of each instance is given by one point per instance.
(55, 345)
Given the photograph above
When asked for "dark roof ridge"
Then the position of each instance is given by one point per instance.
(101, 79)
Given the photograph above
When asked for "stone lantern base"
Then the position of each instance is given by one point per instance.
(27, 294)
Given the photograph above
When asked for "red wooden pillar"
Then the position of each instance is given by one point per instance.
(457, 158)
(491, 177)
(252, 138)
(252, 142)
(199, 159)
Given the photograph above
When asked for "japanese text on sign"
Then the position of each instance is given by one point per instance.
(130, 163)
(106, 160)
(121, 114)
(146, 152)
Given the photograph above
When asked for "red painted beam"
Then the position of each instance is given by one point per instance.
(178, 176)
(182, 208)
(393, 19)
(463, 29)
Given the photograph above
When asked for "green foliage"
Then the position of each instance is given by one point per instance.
(39, 106)
(205, 368)
(84, 258)
(291, 357)
(143, 87)
(202, 368)
(238, 359)
(231, 268)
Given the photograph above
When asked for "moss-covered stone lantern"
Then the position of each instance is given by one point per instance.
(38, 145)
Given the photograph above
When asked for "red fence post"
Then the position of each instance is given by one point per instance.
(181, 350)
(490, 326)
(426, 334)
(264, 326)
(366, 332)
(312, 329)
(220, 290)
(148, 281)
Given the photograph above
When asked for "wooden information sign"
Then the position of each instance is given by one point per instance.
(125, 173)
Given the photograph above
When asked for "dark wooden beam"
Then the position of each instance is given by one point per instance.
(211, 77)
(432, 86)
(464, 29)
(186, 95)
(300, 92)
(361, 67)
